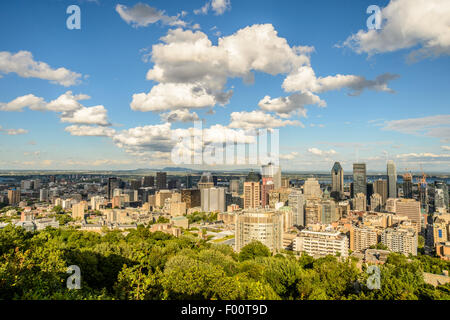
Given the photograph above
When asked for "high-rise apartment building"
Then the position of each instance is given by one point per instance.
(362, 238)
(337, 181)
(392, 179)
(359, 179)
(78, 210)
(261, 225)
(252, 191)
(43, 195)
(252, 195)
(14, 196)
(161, 180)
(400, 240)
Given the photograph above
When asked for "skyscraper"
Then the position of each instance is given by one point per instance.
(113, 183)
(407, 186)
(14, 196)
(380, 187)
(213, 199)
(392, 179)
(337, 181)
(148, 181)
(359, 179)
(161, 182)
(311, 188)
(252, 191)
(266, 187)
(296, 201)
(272, 171)
(206, 181)
(442, 185)
(376, 202)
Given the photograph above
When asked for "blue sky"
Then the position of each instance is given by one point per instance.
(405, 118)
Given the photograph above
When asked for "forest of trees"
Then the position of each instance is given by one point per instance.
(144, 265)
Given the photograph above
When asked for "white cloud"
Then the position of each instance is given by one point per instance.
(424, 157)
(23, 64)
(67, 104)
(13, 132)
(92, 115)
(76, 130)
(218, 6)
(446, 148)
(258, 119)
(29, 100)
(420, 24)
(434, 126)
(294, 103)
(182, 115)
(290, 156)
(171, 96)
(188, 64)
(152, 137)
(305, 80)
(318, 152)
(141, 15)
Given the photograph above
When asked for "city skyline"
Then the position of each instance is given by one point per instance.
(79, 100)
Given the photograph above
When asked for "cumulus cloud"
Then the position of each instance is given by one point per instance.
(187, 63)
(182, 115)
(218, 6)
(67, 104)
(29, 100)
(147, 141)
(23, 64)
(446, 148)
(259, 119)
(141, 15)
(421, 25)
(434, 126)
(152, 137)
(318, 152)
(305, 80)
(92, 131)
(92, 115)
(170, 96)
(295, 103)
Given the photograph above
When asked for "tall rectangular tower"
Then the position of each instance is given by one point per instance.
(359, 179)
